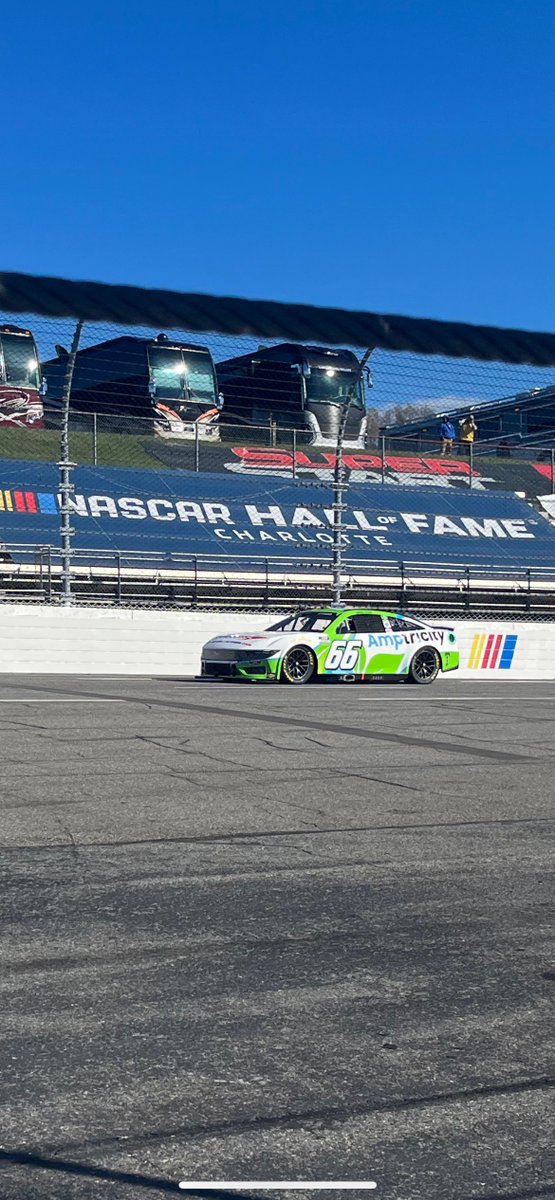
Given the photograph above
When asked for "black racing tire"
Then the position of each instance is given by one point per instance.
(299, 665)
(425, 666)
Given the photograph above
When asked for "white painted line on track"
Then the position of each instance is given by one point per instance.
(470, 696)
(280, 1185)
(64, 700)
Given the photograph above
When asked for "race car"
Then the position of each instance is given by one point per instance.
(347, 643)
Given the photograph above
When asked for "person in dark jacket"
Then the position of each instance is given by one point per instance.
(447, 434)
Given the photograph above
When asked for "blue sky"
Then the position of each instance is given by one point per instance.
(395, 155)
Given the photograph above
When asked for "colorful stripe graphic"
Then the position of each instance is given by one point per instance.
(15, 500)
(491, 650)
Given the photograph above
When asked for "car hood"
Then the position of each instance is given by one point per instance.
(261, 641)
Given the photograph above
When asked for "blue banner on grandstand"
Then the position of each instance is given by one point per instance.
(172, 512)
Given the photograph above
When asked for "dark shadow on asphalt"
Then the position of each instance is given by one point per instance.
(85, 1170)
(153, 1183)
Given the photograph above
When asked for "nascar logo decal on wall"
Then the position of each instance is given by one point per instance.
(492, 650)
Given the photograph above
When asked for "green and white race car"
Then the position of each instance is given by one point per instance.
(348, 643)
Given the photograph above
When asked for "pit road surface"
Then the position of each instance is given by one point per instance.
(275, 933)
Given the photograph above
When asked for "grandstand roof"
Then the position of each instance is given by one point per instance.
(537, 398)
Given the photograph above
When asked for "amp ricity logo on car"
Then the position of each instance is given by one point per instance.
(492, 650)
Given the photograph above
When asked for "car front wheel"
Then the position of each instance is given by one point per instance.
(299, 665)
(425, 666)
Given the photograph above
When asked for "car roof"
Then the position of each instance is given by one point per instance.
(343, 611)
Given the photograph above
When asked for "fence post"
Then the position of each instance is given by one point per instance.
(341, 483)
(382, 454)
(65, 468)
(118, 556)
(197, 448)
(95, 440)
(552, 470)
(294, 454)
(470, 462)
(39, 557)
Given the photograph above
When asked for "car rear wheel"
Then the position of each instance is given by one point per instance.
(299, 665)
(425, 666)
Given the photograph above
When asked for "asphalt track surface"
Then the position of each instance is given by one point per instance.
(260, 933)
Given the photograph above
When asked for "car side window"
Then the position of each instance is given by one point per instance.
(368, 623)
(399, 625)
(345, 627)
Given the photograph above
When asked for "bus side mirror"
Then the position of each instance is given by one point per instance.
(151, 388)
(43, 387)
(220, 400)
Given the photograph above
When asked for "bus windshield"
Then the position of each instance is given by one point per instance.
(201, 383)
(330, 385)
(184, 376)
(19, 353)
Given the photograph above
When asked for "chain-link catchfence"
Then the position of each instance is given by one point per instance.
(168, 399)
(143, 397)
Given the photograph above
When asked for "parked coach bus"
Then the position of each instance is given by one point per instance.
(295, 387)
(172, 383)
(21, 387)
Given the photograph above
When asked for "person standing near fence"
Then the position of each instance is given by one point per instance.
(468, 430)
(447, 435)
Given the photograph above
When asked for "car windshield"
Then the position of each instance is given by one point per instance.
(314, 622)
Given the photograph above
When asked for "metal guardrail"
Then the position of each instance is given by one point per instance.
(138, 578)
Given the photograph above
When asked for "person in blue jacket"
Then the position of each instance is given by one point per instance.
(447, 434)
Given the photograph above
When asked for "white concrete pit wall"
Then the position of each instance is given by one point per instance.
(43, 639)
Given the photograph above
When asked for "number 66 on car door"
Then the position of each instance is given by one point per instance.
(343, 655)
